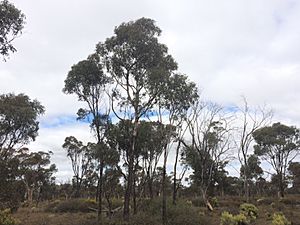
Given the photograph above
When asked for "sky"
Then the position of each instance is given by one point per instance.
(229, 48)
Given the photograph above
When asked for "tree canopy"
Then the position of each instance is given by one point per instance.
(12, 21)
(18, 121)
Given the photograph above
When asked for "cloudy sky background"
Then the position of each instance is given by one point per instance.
(229, 48)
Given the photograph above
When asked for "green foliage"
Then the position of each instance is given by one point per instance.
(249, 210)
(248, 213)
(229, 219)
(278, 144)
(18, 121)
(12, 21)
(214, 201)
(280, 219)
(6, 218)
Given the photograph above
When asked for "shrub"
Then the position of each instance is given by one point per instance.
(184, 213)
(214, 202)
(229, 219)
(280, 219)
(249, 210)
(6, 218)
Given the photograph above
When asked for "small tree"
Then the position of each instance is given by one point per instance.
(87, 80)
(279, 145)
(210, 144)
(251, 119)
(36, 172)
(80, 156)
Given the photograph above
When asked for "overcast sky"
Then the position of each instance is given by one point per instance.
(229, 48)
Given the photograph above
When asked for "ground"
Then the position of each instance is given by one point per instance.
(187, 212)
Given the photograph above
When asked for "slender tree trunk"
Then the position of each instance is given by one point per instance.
(134, 196)
(99, 216)
(246, 188)
(150, 186)
(29, 195)
(175, 174)
(109, 206)
(128, 191)
(126, 212)
(281, 186)
(164, 196)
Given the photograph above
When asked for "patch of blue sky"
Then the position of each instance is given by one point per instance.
(59, 121)
(63, 120)
(231, 108)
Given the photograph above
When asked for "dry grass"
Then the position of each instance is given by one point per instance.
(289, 207)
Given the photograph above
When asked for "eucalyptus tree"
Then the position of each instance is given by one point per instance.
(81, 157)
(88, 81)
(279, 145)
(12, 22)
(151, 138)
(173, 104)
(252, 171)
(36, 171)
(138, 64)
(210, 148)
(18, 126)
(18, 122)
(250, 120)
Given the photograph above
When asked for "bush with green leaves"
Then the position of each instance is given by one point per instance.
(214, 201)
(249, 210)
(229, 219)
(6, 218)
(280, 219)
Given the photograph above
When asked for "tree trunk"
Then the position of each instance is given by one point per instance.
(134, 196)
(30, 195)
(128, 190)
(100, 182)
(246, 188)
(175, 174)
(281, 187)
(131, 150)
(150, 186)
(164, 197)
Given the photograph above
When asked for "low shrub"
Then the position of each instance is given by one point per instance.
(214, 202)
(6, 218)
(184, 213)
(249, 210)
(229, 219)
(280, 219)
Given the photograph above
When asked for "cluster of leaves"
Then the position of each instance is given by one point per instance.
(12, 21)
(280, 219)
